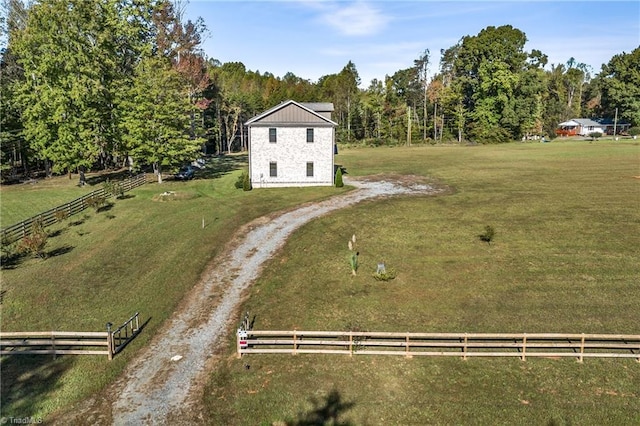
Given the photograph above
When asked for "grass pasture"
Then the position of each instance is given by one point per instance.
(565, 258)
(142, 253)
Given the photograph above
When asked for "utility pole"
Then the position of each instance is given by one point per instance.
(615, 124)
(408, 125)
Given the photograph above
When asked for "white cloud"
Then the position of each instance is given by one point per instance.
(352, 19)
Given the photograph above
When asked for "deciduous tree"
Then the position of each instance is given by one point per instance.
(156, 117)
(620, 85)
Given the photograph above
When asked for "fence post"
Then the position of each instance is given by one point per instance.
(109, 342)
(464, 349)
(524, 347)
(581, 358)
(243, 336)
(406, 345)
(351, 344)
(295, 345)
(53, 344)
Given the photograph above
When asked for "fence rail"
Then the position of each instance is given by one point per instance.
(13, 233)
(464, 345)
(70, 342)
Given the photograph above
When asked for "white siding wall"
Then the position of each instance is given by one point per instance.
(585, 130)
(291, 152)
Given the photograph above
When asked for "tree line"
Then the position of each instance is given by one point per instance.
(111, 83)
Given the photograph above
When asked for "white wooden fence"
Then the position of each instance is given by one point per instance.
(13, 233)
(464, 345)
(70, 342)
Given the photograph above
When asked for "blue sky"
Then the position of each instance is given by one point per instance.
(312, 38)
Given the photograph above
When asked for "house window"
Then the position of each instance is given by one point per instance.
(309, 135)
(273, 135)
(309, 168)
(273, 169)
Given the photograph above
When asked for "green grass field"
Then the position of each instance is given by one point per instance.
(564, 259)
(141, 254)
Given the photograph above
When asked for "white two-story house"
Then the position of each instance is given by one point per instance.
(292, 144)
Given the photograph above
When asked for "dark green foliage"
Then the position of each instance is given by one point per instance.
(338, 180)
(239, 182)
(620, 87)
(246, 183)
(353, 262)
(488, 234)
(634, 131)
(157, 115)
(595, 135)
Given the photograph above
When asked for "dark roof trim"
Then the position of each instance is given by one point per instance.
(285, 104)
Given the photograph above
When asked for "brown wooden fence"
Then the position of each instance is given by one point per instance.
(13, 233)
(464, 345)
(70, 342)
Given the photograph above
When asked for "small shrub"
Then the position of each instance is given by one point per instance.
(61, 215)
(35, 242)
(239, 182)
(338, 181)
(386, 275)
(96, 201)
(488, 234)
(595, 135)
(353, 259)
(634, 131)
(113, 188)
(246, 182)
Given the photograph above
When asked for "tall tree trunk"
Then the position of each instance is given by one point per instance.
(435, 121)
(424, 117)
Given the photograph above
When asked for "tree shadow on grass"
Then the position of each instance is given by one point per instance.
(56, 233)
(11, 260)
(76, 222)
(222, 165)
(111, 176)
(121, 344)
(27, 380)
(59, 251)
(125, 196)
(105, 208)
(325, 412)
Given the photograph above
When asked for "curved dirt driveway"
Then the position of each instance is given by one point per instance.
(158, 388)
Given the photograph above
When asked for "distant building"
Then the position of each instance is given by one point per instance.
(292, 144)
(579, 127)
(609, 124)
(584, 126)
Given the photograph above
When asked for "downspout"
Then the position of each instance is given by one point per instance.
(249, 154)
(333, 155)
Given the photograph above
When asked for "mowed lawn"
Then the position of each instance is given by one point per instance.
(565, 258)
(140, 254)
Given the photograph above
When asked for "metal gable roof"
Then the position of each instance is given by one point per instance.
(278, 115)
(584, 122)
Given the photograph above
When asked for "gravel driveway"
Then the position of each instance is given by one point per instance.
(164, 384)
